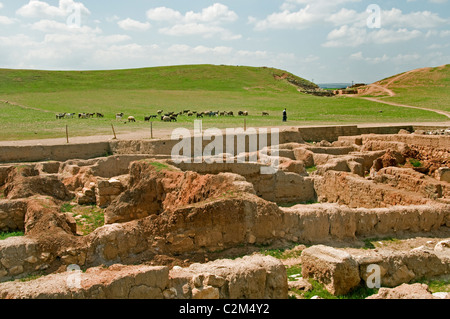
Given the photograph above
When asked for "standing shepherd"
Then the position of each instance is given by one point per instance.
(284, 115)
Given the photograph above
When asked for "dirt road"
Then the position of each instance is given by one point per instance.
(166, 134)
(447, 114)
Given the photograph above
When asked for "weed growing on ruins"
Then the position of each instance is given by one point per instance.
(67, 208)
(361, 292)
(293, 270)
(89, 218)
(284, 253)
(437, 285)
(317, 290)
(5, 235)
(311, 169)
(159, 166)
(31, 277)
(415, 163)
(369, 242)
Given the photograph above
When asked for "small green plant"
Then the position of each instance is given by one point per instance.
(89, 219)
(311, 169)
(159, 166)
(293, 270)
(31, 277)
(282, 253)
(108, 154)
(67, 208)
(368, 242)
(5, 235)
(436, 285)
(415, 163)
(317, 290)
(361, 292)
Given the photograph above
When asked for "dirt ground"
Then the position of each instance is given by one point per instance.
(166, 134)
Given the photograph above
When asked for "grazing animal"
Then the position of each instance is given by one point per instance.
(82, 116)
(265, 114)
(240, 113)
(199, 115)
(245, 113)
(131, 119)
(166, 119)
(100, 115)
(119, 116)
(70, 115)
(148, 118)
(230, 114)
(60, 116)
(190, 114)
(160, 112)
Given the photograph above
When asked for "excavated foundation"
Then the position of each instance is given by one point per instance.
(157, 211)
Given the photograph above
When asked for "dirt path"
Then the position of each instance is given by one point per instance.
(24, 107)
(377, 87)
(167, 133)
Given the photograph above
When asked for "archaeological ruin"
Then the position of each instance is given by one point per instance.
(194, 229)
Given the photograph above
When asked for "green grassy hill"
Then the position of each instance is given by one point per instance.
(189, 77)
(34, 97)
(425, 87)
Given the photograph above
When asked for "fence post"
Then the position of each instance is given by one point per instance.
(115, 137)
(67, 134)
(151, 129)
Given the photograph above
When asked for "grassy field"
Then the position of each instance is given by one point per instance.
(35, 97)
(428, 87)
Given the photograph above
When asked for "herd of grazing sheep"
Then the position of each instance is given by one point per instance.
(161, 115)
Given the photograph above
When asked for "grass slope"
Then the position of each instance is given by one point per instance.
(141, 92)
(426, 87)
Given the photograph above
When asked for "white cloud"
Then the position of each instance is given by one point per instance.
(40, 9)
(288, 20)
(398, 59)
(133, 25)
(164, 14)
(417, 20)
(206, 23)
(1, 5)
(444, 33)
(312, 12)
(207, 31)
(55, 26)
(346, 36)
(215, 14)
(345, 16)
(6, 20)
(319, 12)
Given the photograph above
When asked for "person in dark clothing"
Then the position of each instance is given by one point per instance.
(284, 115)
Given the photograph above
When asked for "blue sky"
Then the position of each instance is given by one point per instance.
(320, 40)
